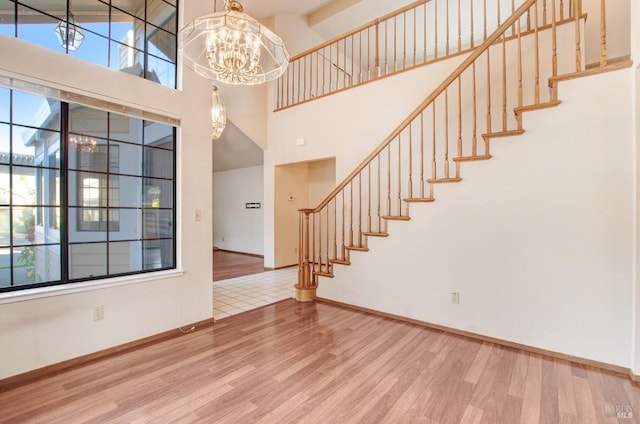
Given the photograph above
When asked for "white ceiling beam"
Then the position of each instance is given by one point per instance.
(329, 10)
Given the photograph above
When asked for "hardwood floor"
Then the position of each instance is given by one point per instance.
(230, 265)
(320, 363)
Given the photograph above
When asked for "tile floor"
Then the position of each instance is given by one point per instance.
(241, 294)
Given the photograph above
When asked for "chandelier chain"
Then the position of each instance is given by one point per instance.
(215, 5)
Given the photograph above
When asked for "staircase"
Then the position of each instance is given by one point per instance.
(513, 71)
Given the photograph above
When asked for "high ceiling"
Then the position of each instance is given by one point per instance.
(264, 9)
(235, 150)
(328, 18)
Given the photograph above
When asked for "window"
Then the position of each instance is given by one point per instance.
(96, 191)
(84, 193)
(138, 37)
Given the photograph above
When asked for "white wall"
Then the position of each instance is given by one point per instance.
(351, 124)
(291, 193)
(235, 227)
(348, 126)
(247, 104)
(617, 21)
(567, 236)
(246, 108)
(296, 33)
(297, 186)
(322, 180)
(538, 241)
(618, 27)
(635, 55)
(40, 329)
(636, 321)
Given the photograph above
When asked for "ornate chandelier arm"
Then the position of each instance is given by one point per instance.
(233, 48)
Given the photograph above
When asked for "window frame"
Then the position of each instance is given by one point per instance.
(107, 185)
(146, 73)
(45, 194)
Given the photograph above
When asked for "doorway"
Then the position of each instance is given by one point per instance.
(297, 186)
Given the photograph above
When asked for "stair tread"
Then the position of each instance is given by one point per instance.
(613, 65)
(419, 199)
(507, 133)
(471, 158)
(357, 248)
(324, 274)
(397, 218)
(375, 234)
(340, 262)
(538, 106)
(444, 180)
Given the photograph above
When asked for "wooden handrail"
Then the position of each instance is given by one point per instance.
(441, 132)
(439, 90)
(377, 76)
(333, 40)
(379, 48)
(356, 30)
(384, 47)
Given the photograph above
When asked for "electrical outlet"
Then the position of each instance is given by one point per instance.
(455, 298)
(98, 312)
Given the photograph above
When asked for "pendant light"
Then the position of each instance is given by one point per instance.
(233, 48)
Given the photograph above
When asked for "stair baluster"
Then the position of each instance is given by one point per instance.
(388, 174)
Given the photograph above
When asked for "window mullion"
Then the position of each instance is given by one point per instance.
(174, 219)
(64, 192)
(11, 243)
(108, 193)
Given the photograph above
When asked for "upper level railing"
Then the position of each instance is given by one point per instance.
(418, 34)
(507, 73)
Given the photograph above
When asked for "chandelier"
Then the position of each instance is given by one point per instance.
(233, 48)
(83, 144)
(218, 115)
(69, 35)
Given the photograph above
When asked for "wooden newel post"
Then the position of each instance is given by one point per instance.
(306, 287)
